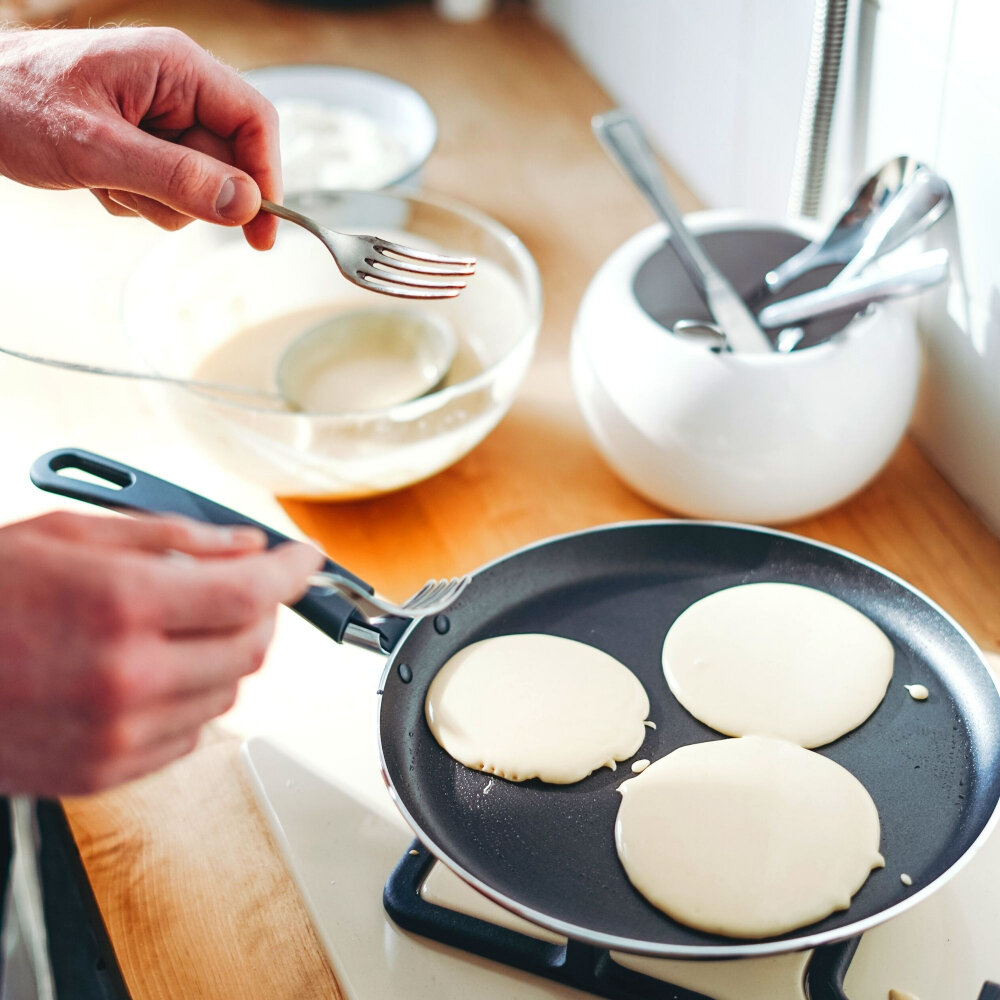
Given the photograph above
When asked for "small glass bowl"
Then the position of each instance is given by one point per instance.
(199, 288)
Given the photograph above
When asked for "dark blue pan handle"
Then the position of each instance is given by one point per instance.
(122, 487)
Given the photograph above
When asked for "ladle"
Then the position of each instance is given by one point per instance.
(425, 344)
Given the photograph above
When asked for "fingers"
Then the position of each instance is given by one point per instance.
(220, 595)
(195, 176)
(159, 215)
(231, 583)
(202, 141)
(131, 766)
(228, 106)
(261, 230)
(183, 179)
(204, 146)
(111, 205)
(152, 533)
(169, 720)
(117, 655)
(124, 204)
(194, 667)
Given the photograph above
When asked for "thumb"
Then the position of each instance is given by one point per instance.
(186, 180)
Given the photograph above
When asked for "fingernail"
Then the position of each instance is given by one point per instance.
(126, 200)
(240, 536)
(225, 203)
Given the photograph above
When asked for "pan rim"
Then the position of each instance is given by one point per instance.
(657, 949)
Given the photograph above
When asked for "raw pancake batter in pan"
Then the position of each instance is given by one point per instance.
(536, 706)
(747, 837)
(777, 659)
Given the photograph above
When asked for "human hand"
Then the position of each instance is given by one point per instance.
(143, 117)
(114, 652)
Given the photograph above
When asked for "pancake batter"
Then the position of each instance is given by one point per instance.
(486, 318)
(747, 837)
(777, 659)
(536, 706)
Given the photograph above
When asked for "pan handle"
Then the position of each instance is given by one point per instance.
(121, 487)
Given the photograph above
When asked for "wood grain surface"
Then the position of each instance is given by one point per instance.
(195, 898)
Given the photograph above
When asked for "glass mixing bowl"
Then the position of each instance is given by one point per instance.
(203, 304)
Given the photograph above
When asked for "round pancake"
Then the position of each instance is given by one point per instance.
(536, 706)
(777, 659)
(747, 837)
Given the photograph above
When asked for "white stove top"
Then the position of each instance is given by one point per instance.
(313, 764)
(340, 848)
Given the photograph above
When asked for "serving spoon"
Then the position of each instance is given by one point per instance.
(919, 200)
(916, 205)
(919, 203)
(908, 278)
(426, 346)
(874, 218)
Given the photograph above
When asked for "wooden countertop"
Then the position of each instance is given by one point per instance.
(196, 900)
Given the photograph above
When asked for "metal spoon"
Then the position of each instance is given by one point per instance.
(625, 143)
(906, 278)
(919, 203)
(427, 343)
(909, 278)
(858, 218)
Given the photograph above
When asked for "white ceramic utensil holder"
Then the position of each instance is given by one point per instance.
(761, 438)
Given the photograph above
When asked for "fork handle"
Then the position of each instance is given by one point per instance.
(129, 489)
(290, 215)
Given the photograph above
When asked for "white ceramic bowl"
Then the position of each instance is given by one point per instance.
(761, 438)
(200, 287)
(392, 108)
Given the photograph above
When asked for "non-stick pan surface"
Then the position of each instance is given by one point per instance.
(547, 851)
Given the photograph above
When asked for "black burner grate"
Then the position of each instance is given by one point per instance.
(581, 966)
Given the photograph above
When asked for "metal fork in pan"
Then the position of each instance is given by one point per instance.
(432, 598)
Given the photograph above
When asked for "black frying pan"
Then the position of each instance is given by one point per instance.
(547, 851)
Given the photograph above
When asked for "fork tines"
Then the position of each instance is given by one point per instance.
(437, 594)
(388, 265)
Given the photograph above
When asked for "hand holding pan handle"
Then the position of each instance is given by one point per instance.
(129, 489)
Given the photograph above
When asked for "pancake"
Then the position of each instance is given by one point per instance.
(747, 837)
(777, 659)
(536, 706)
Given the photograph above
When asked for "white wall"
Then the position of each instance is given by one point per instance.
(718, 84)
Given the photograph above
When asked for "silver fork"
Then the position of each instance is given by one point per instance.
(385, 267)
(431, 599)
